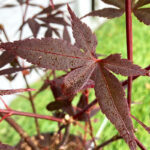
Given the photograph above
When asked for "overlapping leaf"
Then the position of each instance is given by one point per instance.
(142, 14)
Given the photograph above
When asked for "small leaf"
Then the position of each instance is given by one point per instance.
(117, 3)
(34, 26)
(143, 15)
(5, 58)
(77, 79)
(122, 66)
(82, 34)
(111, 98)
(107, 13)
(9, 92)
(142, 124)
(48, 53)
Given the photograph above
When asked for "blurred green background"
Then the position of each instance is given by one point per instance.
(111, 39)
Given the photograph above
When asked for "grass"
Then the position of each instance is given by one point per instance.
(111, 39)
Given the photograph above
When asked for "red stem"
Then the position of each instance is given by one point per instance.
(129, 44)
(13, 112)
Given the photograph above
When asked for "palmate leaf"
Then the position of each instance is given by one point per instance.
(61, 55)
(48, 53)
(111, 98)
(122, 66)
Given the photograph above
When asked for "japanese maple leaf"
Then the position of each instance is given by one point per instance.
(81, 59)
(142, 14)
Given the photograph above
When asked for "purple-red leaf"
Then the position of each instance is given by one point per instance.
(107, 13)
(34, 26)
(143, 15)
(142, 124)
(117, 3)
(48, 53)
(141, 3)
(122, 66)
(6, 58)
(111, 98)
(58, 105)
(83, 35)
(78, 78)
(8, 92)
